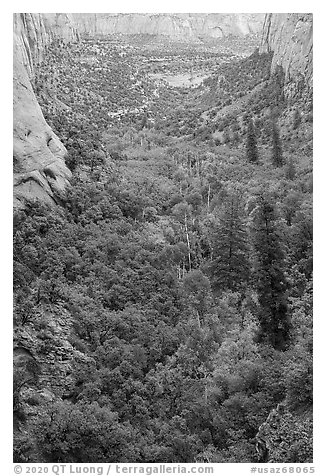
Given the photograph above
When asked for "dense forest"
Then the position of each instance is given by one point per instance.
(163, 307)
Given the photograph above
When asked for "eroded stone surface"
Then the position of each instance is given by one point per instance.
(290, 37)
(39, 168)
(178, 26)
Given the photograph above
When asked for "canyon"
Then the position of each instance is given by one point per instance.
(153, 175)
(39, 168)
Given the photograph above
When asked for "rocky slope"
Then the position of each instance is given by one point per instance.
(289, 36)
(39, 168)
(182, 26)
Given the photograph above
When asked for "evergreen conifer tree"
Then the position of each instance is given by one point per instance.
(270, 281)
(277, 154)
(290, 170)
(251, 143)
(230, 264)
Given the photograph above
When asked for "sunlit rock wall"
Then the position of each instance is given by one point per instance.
(290, 37)
(182, 26)
(39, 168)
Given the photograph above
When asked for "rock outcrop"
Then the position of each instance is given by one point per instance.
(34, 31)
(289, 36)
(181, 26)
(286, 437)
(39, 168)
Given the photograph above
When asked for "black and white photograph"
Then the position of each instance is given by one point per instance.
(162, 239)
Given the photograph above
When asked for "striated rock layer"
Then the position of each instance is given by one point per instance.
(39, 168)
(34, 31)
(182, 26)
(290, 37)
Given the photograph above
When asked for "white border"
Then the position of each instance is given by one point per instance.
(319, 181)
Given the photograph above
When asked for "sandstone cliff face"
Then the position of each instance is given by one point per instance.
(289, 36)
(39, 168)
(182, 26)
(30, 38)
(34, 31)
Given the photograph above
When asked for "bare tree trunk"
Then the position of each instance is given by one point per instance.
(208, 197)
(188, 242)
(200, 170)
(206, 388)
(198, 320)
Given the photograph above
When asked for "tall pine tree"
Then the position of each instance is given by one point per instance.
(230, 263)
(277, 154)
(269, 276)
(251, 143)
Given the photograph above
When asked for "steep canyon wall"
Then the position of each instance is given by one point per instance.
(39, 168)
(290, 37)
(182, 26)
